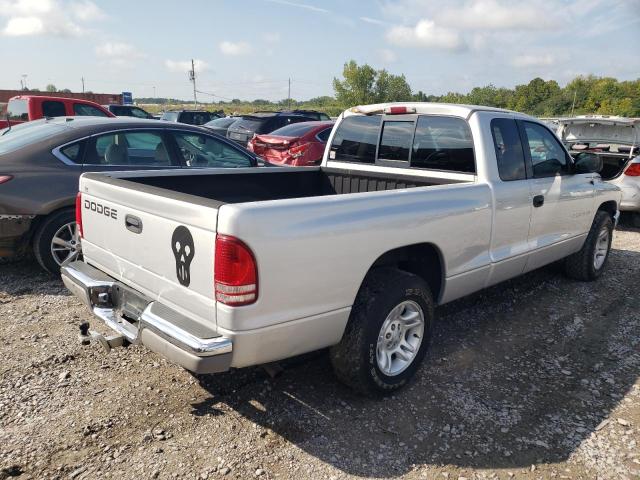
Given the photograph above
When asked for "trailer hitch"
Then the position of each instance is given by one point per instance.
(107, 343)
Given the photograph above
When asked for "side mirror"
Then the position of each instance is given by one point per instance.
(586, 162)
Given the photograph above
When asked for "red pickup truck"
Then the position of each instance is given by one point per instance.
(25, 108)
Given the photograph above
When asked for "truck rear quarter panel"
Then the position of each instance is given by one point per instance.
(313, 253)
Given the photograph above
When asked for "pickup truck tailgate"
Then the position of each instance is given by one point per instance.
(159, 243)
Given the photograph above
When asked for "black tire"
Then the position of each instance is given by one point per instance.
(44, 236)
(580, 265)
(354, 358)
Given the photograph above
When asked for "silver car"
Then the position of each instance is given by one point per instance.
(617, 141)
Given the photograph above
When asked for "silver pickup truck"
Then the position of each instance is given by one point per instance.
(414, 205)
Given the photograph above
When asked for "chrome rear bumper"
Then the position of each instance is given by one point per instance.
(140, 320)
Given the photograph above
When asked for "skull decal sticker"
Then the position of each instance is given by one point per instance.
(183, 250)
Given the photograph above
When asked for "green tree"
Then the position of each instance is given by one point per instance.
(362, 84)
(51, 88)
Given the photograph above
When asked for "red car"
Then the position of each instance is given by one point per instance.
(299, 144)
(25, 108)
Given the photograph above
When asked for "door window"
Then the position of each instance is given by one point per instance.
(52, 108)
(204, 151)
(509, 153)
(323, 136)
(81, 109)
(548, 158)
(129, 148)
(443, 143)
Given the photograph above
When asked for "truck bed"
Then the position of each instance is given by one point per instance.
(278, 184)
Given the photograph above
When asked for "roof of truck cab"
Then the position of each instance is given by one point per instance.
(432, 108)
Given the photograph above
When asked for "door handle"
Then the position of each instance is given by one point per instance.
(133, 224)
(538, 200)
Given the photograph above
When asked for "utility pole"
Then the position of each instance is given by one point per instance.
(575, 92)
(192, 78)
(23, 82)
(289, 95)
(82, 84)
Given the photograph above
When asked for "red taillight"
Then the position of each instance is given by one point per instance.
(633, 170)
(399, 110)
(299, 150)
(5, 178)
(235, 272)
(79, 213)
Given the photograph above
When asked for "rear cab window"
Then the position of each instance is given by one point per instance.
(431, 142)
(508, 147)
(53, 108)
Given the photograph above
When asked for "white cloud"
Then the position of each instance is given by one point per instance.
(426, 34)
(233, 48)
(387, 56)
(119, 53)
(313, 8)
(87, 11)
(496, 15)
(183, 66)
(373, 21)
(532, 60)
(47, 17)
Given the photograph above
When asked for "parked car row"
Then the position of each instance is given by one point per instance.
(41, 162)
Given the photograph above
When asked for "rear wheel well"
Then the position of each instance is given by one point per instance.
(421, 259)
(611, 207)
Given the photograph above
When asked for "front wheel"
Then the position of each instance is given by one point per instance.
(588, 264)
(56, 242)
(388, 333)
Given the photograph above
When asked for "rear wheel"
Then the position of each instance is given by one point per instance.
(588, 264)
(56, 242)
(388, 333)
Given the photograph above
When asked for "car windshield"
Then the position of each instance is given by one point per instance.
(294, 130)
(26, 133)
(221, 122)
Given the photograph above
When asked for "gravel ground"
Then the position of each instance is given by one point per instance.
(534, 378)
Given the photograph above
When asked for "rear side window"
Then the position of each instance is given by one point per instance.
(136, 148)
(72, 152)
(52, 108)
(323, 136)
(356, 139)
(81, 109)
(443, 143)
(509, 153)
(18, 110)
(395, 143)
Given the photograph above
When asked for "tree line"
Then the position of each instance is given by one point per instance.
(362, 84)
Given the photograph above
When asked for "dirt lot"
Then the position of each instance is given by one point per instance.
(535, 378)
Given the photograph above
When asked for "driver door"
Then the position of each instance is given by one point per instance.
(562, 201)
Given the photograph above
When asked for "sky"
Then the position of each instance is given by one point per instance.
(249, 49)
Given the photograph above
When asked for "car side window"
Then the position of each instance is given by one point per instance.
(548, 158)
(509, 153)
(129, 148)
(139, 113)
(355, 139)
(204, 151)
(73, 152)
(443, 143)
(51, 108)
(81, 109)
(323, 136)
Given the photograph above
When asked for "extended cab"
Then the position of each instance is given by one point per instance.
(414, 205)
(25, 108)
